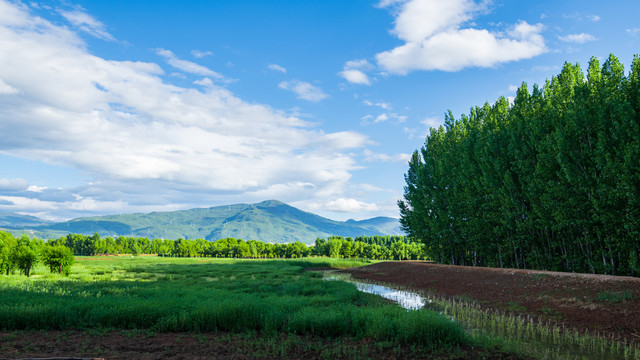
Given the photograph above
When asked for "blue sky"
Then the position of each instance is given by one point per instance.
(138, 106)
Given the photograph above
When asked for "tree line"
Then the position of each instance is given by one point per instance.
(551, 181)
(374, 247)
(23, 253)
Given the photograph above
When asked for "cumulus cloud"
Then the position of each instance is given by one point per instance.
(435, 38)
(148, 145)
(276, 67)
(354, 72)
(349, 205)
(577, 38)
(187, 66)
(87, 23)
(304, 90)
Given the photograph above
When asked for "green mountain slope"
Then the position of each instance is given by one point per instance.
(10, 219)
(269, 221)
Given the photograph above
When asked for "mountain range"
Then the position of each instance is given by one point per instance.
(268, 221)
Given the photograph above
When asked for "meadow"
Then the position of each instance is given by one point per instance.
(259, 298)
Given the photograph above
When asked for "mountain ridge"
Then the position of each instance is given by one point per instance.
(269, 221)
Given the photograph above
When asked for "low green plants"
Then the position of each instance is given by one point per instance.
(249, 296)
(514, 306)
(615, 297)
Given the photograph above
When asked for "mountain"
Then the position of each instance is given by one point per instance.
(269, 221)
(10, 219)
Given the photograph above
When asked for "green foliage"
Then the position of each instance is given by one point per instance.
(210, 295)
(58, 258)
(551, 181)
(7, 242)
(374, 247)
(24, 255)
(393, 247)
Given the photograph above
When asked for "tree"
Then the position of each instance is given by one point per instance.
(58, 258)
(6, 260)
(549, 181)
(25, 255)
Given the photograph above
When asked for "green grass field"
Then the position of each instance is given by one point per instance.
(204, 295)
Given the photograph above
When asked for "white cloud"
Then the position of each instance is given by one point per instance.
(13, 184)
(348, 205)
(577, 38)
(432, 122)
(370, 156)
(147, 144)
(382, 105)
(594, 18)
(354, 71)
(633, 31)
(429, 123)
(355, 77)
(276, 67)
(200, 54)
(386, 3)
(436, 40)
(381, 118)
(46, 208)
(366, 120)
(304, 90)
(35, 188)
(187, 66)
(87, 23)
(206, 82)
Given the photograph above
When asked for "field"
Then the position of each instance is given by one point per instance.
(149, 307)
(599, 309)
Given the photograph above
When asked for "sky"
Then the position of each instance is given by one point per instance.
(110, 107)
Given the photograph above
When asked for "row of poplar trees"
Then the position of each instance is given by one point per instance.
(551, 181)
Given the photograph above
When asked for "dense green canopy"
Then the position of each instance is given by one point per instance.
(551, 181)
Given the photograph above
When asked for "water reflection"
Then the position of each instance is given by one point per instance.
(406, 299)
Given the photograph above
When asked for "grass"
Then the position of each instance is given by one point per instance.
(615, 297)
(266, 297)
(526, 335)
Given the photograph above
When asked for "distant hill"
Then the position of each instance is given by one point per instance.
(269, 221)
(13, 220)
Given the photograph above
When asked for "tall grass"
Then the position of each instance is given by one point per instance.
(210, 295)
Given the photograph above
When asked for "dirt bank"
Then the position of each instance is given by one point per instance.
(600, 304)
(121, 345)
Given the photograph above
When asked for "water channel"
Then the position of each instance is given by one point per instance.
(544, 341)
